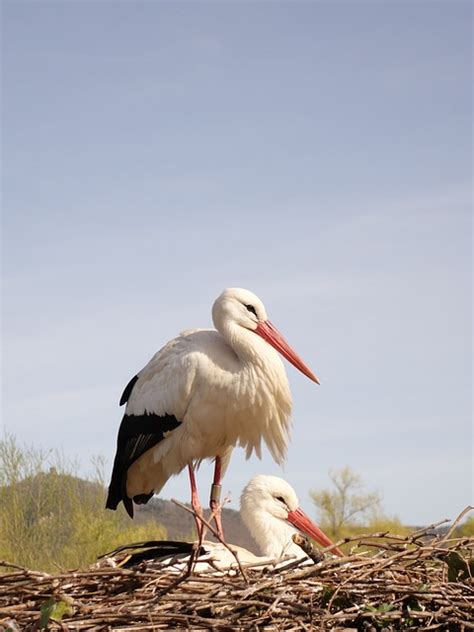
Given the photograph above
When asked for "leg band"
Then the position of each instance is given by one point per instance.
(216, 493)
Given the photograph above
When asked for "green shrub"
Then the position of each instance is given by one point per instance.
(50, 518)
(467, 527)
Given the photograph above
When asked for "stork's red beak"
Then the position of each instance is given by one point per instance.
(300, 520)
(270, 333)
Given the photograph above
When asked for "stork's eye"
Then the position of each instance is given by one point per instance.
(251, 308)
(281, 499)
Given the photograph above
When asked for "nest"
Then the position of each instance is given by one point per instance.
(423, 581)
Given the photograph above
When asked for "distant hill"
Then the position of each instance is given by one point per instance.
(180, 524)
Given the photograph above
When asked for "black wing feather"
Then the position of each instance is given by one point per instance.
(128, 390)
(137, 434)
(152, 550)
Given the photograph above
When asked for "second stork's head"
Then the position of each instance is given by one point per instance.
(270, 509)
(239, 311)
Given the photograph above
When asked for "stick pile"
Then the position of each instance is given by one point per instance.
(420, 582)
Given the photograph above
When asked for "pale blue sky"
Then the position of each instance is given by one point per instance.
(316, 153)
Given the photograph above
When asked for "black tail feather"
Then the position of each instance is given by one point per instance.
(137, 435)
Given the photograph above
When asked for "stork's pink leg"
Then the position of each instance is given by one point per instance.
(216, 497)
(195, 502)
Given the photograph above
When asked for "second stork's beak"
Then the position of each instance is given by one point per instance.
(268, 331)
(300, 520)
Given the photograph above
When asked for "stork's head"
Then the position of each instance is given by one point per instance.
(240, 308)
(270, 509)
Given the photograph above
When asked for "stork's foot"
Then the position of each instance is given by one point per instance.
(196, 504)
(216, 513)
(199, 525)
(215, 506)
(198, 513)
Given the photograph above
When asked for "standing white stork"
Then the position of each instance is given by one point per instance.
(202, 394)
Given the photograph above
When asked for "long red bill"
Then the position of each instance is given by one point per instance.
(300, 520)
(270, 333)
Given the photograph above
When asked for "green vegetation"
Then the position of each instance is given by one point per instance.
(50, 518)
(466, 528)
(348, 509)
(53, 610)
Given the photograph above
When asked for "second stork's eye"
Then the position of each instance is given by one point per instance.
(251, 308)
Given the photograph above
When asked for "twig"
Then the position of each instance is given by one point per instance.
(216, 534)
(465, 511)
(307, 547)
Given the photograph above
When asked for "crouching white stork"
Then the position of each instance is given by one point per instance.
(203, 393)
(270, 510)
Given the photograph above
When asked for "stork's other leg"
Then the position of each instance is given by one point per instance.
(215, 499)
(195, 502)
